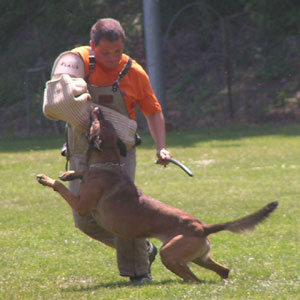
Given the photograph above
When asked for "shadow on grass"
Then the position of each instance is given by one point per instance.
(232, 134)
(39, 143)
(181, 139)
(123, 284)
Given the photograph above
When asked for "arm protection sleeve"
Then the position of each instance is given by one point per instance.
(66, 98)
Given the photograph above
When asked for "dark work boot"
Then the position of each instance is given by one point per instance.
(140, 280)
(152, 251)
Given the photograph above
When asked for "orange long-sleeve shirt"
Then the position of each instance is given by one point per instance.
(135, 86)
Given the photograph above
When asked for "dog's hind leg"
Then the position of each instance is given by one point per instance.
(180, 250)
(208, 263)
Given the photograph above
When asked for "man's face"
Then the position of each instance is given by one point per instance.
(108, 53)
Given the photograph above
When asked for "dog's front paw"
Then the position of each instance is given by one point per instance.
(45, 180)
(67, 176)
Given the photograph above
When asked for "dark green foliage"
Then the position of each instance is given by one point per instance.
(40, 30)
(263, 43)
(275, 17)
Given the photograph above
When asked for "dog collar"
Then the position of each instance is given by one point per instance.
(106, 164)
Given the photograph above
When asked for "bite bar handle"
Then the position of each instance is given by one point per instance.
(179, 164)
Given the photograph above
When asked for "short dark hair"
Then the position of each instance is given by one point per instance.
(107, 28)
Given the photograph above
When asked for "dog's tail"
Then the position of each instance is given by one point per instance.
(247, 223)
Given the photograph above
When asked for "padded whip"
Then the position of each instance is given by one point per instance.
(179, 164)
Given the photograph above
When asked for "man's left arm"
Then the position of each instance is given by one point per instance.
(156, 124)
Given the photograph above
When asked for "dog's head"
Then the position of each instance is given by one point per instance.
(102, 134)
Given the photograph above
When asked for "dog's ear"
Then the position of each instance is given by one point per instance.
(97, 113)
(122, 147)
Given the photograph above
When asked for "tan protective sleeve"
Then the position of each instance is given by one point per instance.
(66, 98)
(69, 63)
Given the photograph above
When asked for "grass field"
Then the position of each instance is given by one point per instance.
(237, 170)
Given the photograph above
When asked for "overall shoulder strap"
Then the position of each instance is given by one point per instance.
(91, 64)
(122, 74)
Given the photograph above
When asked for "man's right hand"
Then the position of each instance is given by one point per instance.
(162, 155)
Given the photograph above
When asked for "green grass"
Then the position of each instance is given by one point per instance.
(237, 170)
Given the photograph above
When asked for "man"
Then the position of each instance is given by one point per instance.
(115, 81)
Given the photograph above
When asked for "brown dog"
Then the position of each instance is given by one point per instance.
(120, 207)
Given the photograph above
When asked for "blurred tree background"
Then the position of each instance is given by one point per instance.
(224, 60)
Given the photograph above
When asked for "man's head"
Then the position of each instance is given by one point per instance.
(109, 29)
(107, 41)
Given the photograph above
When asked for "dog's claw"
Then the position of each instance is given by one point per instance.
(44, 180)
(40, 178)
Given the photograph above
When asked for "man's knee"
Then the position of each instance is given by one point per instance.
(89, 226)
